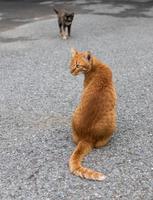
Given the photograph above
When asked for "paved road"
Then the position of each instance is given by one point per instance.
(38, 96)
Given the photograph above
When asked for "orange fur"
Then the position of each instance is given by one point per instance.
(94, 119)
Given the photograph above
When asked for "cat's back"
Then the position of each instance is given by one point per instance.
(63, 11)
(99, 82)
(96, 110)
(99, 93)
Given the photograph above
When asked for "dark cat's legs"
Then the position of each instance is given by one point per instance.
(69, 30)
(66, 35)
(60, 27)
(64, 32)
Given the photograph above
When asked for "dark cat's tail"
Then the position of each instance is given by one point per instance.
(82, 149)
(56, 11)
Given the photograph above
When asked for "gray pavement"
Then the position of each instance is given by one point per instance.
(38, 96)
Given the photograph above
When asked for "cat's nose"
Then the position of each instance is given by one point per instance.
(72, 70)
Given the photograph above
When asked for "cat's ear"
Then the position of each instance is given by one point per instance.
(73, 52)
(88, 55)
(56, 11)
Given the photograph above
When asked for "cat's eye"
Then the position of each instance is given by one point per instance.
(77, 66)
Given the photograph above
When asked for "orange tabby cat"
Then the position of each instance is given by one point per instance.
(94, 120)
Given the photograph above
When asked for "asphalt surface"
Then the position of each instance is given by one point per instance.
(38, 96)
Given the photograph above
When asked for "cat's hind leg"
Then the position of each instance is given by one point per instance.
(75, 138)
(101, 143)
(103, 140)
(104, 136)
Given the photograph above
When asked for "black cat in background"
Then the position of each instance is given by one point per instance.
(65, 19)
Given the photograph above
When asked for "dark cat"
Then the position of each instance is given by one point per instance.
(65, 19)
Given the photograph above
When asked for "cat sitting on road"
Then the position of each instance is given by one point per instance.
(65, 19)
(94, 119)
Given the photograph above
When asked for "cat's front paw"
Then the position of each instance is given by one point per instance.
(65, 37)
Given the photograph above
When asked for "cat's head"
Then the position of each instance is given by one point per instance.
(80, 62)
(68, 18)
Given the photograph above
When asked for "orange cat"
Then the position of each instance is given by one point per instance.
(94, 120)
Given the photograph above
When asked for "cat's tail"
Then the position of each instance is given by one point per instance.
(82, 149)
(56, 11)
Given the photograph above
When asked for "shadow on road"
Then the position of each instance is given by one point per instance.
(130, 8)
(15, 13)
(8, 40)
(135, 8)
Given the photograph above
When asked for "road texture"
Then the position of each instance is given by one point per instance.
(38, 96)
